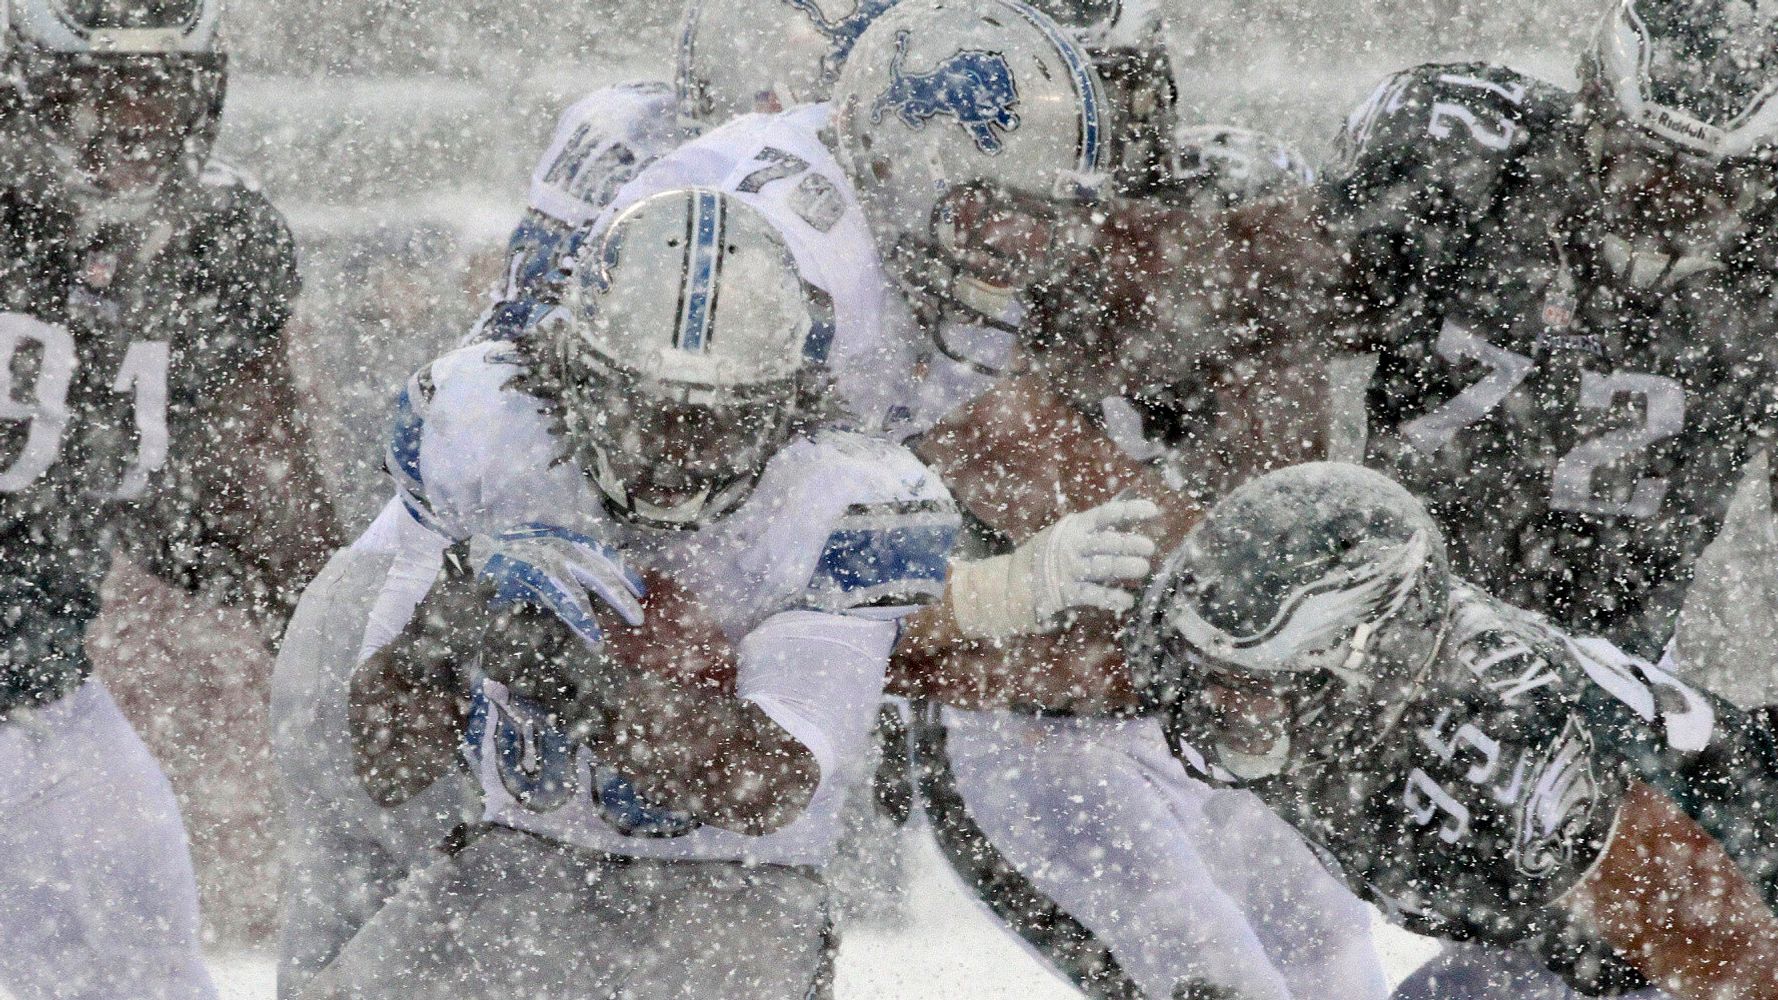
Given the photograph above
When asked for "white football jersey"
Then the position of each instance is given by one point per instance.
(603, 141)
(843, 536)
(778, 164)
(600, 143)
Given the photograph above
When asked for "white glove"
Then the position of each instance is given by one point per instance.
(1081, 561)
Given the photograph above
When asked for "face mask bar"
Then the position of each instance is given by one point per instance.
(673, 454)
(122, 127)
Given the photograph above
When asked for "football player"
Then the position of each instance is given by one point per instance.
(1565, 294)
(1066, 814)
(662, 738)
(344, 854)
(1471, 767)
(146, 409)
(612, 134)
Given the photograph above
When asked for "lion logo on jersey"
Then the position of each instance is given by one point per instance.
(1558, 808)
(974, 86)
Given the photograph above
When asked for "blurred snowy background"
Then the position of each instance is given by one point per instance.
(398, 135)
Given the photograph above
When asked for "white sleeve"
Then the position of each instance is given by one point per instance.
(419, 556)
(820, 677)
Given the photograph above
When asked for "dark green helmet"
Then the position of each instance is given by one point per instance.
(1293, 622)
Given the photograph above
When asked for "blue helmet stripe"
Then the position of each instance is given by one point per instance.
(703, 267)
(1086, 84)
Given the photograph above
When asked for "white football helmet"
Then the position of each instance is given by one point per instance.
(122, 92)
(1221, 166)
(947, 105)
(1127, 42)
(737, 57)
(688, 352)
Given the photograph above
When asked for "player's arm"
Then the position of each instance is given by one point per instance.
(1136, 288)
(266, 504)
(1668, 898)
(249, 514)
(1022, 461)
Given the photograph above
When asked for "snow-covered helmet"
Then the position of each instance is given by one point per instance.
(1683, 128)
(1699, 75)
(1126, 39)
(741, 56)
(1220, 166)
(1293, 622)
(946, 104)
(123, 93)
(688, 351)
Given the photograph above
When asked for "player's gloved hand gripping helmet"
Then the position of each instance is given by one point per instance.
(689, 351)
(124, 94)
(1293, 623)
(951, 108)
(1678, 100)
(737, 57)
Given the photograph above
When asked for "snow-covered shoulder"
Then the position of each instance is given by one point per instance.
(473, 453)
(845, 524)
(600, 143)
(1446, 130)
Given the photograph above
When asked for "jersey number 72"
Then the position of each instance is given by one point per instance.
(1571, 482)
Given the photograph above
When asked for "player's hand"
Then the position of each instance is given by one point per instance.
(560, 571)
(1084, 560)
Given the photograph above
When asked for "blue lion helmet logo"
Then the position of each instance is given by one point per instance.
(971, 85)
(843, 33)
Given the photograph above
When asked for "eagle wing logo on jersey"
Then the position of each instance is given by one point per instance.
(974, 86)
(1558, 807)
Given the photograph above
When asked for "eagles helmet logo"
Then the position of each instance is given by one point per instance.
(971, 85)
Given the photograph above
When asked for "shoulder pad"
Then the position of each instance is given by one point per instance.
(889, 530)
(600, 144)
(1452, 125)
(471, 452)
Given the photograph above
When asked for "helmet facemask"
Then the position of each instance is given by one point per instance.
(121, 127)
(671, 454)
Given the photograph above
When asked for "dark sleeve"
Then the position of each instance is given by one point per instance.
(252, 270)
(1716, 762)
(1483, 807)
(1423, 159)
(247, 515)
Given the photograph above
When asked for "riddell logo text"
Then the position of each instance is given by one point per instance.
(1667, 122)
